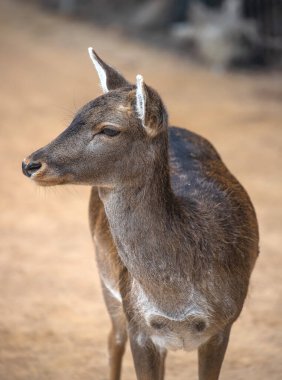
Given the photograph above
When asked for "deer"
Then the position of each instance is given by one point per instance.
(175, 234)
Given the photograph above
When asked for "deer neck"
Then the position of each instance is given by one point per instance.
(140, 215)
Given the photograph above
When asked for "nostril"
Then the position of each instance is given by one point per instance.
(31, 168)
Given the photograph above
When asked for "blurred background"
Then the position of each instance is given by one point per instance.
(220, 33)
(217, 66)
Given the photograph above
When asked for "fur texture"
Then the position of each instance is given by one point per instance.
(174, 231)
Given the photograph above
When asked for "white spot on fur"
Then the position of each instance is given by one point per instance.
(149, 309)
(171, 339)
(140, 98)
(101, 72)
(119, 338)
(173, 342)
(140, 339)
(167, 341)
(112, 289)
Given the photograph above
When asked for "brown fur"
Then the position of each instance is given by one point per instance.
(175, 233)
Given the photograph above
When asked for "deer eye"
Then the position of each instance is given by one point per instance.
(110, 132)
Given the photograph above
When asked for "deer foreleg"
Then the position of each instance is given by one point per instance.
(116, 347)
(211, 355)
(118, 334)
(149, 360)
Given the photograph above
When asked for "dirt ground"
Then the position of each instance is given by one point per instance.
(53, 323)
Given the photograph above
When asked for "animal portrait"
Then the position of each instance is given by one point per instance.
(175, 233)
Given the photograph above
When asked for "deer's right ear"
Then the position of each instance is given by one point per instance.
(110, 79)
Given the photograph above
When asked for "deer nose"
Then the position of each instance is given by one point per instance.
(30, 168)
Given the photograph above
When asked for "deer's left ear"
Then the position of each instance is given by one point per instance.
(150, 108)
(110, 79)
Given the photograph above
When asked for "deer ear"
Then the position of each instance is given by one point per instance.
(140, 98)
(110, 79)
(149, 108)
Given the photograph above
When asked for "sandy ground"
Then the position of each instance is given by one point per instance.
(53, 323)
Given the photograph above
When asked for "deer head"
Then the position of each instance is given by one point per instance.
(110, 140)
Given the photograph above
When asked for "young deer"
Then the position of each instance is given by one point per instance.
(176, 235)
